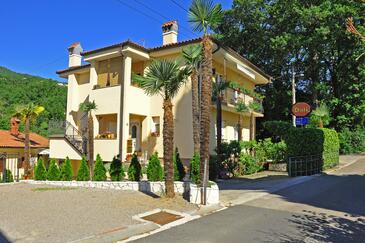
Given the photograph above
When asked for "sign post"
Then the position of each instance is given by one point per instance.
(301, 110)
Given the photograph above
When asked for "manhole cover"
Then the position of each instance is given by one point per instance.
(162, 217)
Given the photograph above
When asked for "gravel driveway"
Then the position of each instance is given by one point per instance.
(33, 213)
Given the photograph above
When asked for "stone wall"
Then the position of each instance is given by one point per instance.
(189, 191)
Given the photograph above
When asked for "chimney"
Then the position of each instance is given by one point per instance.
(74, 55)
(169, 32)
(14, 126)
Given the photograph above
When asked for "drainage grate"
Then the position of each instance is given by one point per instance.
(162, 217)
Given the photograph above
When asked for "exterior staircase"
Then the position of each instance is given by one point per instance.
(71, 134)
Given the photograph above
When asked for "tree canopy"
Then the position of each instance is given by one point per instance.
(309, 37)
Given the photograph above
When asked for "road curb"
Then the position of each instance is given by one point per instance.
(345, 165)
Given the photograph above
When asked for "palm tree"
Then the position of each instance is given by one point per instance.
(204, 15)
(165, 78)
(88, 107)
(322, 114)
(27, 114)
(241, 108)
(218, 87)
(192, 55)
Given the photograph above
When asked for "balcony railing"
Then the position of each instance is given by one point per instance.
(231, 97)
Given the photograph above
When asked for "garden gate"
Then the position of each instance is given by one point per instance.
(10, 161)
(305, 165)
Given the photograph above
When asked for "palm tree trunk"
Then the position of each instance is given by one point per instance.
(195, 110)
(219, 128)
(168, 147)
(26, 147)
(320, 122)
(90, 124)
(206, 99)
(239, 129)
(252, 136)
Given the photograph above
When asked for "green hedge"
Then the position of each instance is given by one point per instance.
(313, 141)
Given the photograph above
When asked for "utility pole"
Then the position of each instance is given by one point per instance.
(293, 94)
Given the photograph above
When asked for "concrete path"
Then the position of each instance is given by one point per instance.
(326, 208)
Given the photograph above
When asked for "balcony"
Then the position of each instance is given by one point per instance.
(231, 97)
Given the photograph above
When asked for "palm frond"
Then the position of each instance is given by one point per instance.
(204, 15)
(193, 55)
(28, 111)
(88, 106)
(321, 111)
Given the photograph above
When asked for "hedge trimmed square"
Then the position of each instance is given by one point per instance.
(313, 141)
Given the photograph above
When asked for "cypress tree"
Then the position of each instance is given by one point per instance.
(195, 169)
(40, 172)
(116, 170)
(154, 169)
(53, 171)
(66, 171)
(83, 173)
(134, 170)
(99, 170)
(179, 171)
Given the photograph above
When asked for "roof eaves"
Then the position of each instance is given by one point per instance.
(73, 69)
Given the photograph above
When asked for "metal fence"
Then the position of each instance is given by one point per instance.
(10, 162)
(305, 165)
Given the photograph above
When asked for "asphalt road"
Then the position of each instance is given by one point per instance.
(328, 208)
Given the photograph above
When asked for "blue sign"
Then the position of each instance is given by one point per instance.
(302, 121)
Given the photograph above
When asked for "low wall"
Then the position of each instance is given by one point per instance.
(189, 191)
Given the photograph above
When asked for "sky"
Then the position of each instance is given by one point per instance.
(35, 34)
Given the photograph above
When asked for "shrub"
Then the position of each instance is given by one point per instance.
(116, 170)
(352, 141)
(331, 147)
(312, 141)
(66, 171)
(134, 170)
(230, 153)
(83, 174)
(249, 164)
(40, 173)
(195, 169)
(267, 150)
(53, 171)
(8, 177)
(154, 169)
(179, 171)
(99, 170)
(277, 129)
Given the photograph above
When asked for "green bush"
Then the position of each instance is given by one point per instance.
(83, 174)
(352, 141)
(179, 171)
(134, 170)
(8, 177)
(230, 153)
(53, 173)
(277, 129)
(312, 141)
(99, 169)
(195, 169)
(40, 172)
(116, 170)
(249, 164)
(331, 147)
(66, 171)
(154, 169)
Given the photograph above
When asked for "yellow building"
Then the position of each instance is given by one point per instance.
(126, 119)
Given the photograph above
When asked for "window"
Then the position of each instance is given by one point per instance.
(155, 126)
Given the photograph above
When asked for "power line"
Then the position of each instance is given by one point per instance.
(180, 6)
(143, 13)
(163, 16)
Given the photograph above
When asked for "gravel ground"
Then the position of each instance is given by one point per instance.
(28, 214)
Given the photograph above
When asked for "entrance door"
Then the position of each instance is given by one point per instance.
(135, 134)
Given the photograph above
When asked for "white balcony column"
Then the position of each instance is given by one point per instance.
(93, 74)
(126, 83)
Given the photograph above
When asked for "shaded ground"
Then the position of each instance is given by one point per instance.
(327, 208)
(33, 213)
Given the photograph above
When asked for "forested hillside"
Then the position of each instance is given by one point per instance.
(17, 89)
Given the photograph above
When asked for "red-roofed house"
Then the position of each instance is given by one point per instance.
(12, 145)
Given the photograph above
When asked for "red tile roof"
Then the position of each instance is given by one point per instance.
(74, 45)
(10, 141)
(169, 23)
